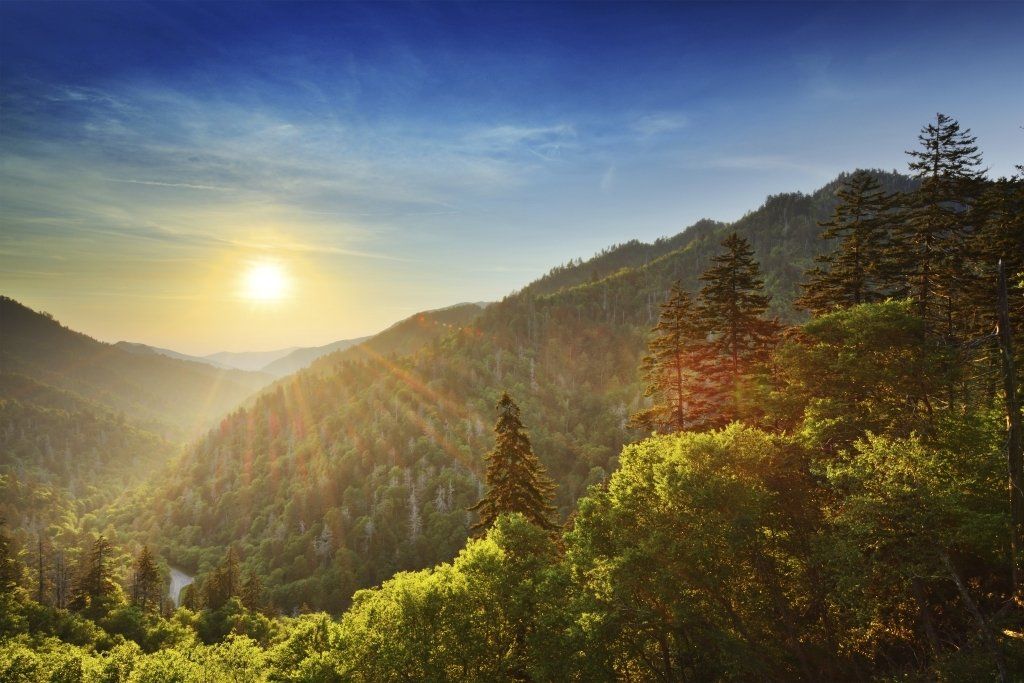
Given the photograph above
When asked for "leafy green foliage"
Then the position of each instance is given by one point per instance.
(869, 368)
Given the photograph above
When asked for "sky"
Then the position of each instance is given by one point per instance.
(247, 176)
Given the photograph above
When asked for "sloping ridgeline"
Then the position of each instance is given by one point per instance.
(81, 421)
(364, 464)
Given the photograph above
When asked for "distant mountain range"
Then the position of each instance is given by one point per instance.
(401, 338)
(174, 396)
(248, 360)
(276, 363)
(144, 349)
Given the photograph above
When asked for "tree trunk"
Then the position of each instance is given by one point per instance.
(986, 632)
(1015, 440)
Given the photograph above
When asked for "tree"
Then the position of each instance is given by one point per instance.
(516, 479)
(689, 554)
(857, 271)
(918, 526)
(95, 589)
(867, 368)
(733, 304)
(42, 577)
(252, 593)
(1000, 237)
(224, 582)
(10, 567)
(931, 238)
(146, 584)
(679, 370)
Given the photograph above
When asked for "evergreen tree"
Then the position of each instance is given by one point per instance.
(10, 567)
(95, 587)
(516, 479)
(733, 304)
(252, 593)
(932, 237)
(43, 585)
(224, 582)
(679, 370)
(1000, 237)
(857, 271)
(146, 584)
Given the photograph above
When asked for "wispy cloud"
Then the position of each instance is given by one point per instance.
(608, 178)
(543, 142)
(156, 183)
(658, 124)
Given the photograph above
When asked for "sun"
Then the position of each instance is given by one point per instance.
(265, 282)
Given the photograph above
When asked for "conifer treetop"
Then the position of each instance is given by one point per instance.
(516, 479)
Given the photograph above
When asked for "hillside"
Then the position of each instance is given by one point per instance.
(62, 456)
(300, 358)
(406, 336)
(145, 349)
(783, 231)
(252, 361)
(171, 396)
(364, 464)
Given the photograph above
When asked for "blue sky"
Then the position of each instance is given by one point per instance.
(393, 157)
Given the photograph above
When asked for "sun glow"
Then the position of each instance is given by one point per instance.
(265, 282)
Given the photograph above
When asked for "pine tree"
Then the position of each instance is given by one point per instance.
(43, 585)
(679, 370)
(10, 567)
(1000, 237)
(857, 271)
(935, 227)
(223, 583)
(146, 584)
(516, 479)
(252, 593)
(95, 586)
(733, 305)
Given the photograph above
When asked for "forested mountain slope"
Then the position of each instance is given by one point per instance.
(170, 396)
(784, 232)
(145, 349)
(406, 336)
(62, 456)
(365, 463)
(300, 358)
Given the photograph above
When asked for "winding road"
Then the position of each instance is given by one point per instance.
(179, 580)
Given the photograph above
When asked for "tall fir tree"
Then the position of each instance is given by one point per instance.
(252, 593)
(1000, 237)
(95, 589)
(43, 583)
(679, 370)
(146, 584)
(857, 271)
(733, 305)
(10, 566)
(931, 239)
(516, 479)
(225, 581)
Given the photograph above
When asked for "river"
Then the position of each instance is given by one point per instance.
(179, 580)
